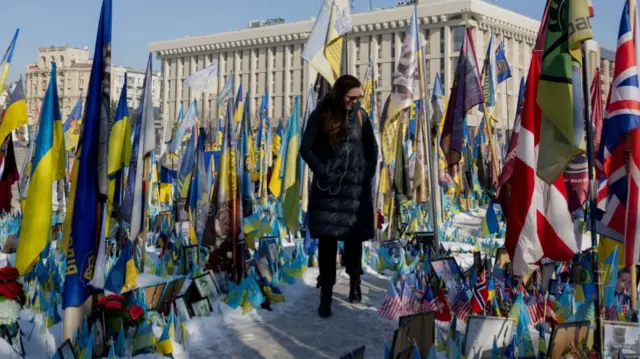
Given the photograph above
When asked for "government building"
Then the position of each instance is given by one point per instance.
(267, 56)
(73, 69)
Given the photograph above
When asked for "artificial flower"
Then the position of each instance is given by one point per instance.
(114, 305)
(136, 312)
(102, 302)
(116, 297)
(9, 312)
(9, 274)
(11, 290)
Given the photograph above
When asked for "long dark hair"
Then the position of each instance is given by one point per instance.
(334, 112)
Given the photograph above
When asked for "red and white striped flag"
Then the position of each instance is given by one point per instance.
(538, 222)
(391, 305)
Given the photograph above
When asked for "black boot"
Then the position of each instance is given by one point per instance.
(326, 294)
(355, 294)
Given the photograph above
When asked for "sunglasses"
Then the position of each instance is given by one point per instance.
(353, 98)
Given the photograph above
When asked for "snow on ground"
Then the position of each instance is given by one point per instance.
(292, 330)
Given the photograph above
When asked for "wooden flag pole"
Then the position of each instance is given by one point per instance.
(599, 334)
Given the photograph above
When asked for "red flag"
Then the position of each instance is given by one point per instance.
(539, 223)
(8, 174)
(596, 107)
(443, 313)
(480, 295)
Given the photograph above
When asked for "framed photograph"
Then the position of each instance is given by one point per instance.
(207, 286)
(153, 295)
(156, 318)
(182, 308)
(621, 338)
(160, 220)
(481, 331)
(181, 210)
(170, 292)
(201, 308)
(416, 328)
(566, 334)
(447, 269)
(191, 255)
(66, 351)
(268, 248)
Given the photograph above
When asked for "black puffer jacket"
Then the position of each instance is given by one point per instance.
(341, 197)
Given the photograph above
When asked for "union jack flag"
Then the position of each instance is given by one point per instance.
(618, 193)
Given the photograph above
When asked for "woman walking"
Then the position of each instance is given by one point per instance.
(341, 150)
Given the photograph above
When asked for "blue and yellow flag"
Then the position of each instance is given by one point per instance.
(47, 166)
(275, 184)
(119, 154)
(122, 276)
(164, 346)
(143, 341)
(6, 60)
(239, 107)
(490, 222)
(247, 155)
(291, 170)
(503, 70)
(71, 126)
(89, 185)
(16, 113)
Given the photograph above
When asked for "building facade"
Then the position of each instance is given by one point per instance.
(73, 72)
(269, 58)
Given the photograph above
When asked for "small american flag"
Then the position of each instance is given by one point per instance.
(391, 305)
(536, 309)
(461, 307)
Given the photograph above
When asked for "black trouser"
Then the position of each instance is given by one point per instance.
(351, 259)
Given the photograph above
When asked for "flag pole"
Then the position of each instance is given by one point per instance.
(599, 342)
(422, 65)
(634, 274)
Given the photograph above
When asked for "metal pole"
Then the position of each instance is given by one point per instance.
(432, 180)
(599, 342)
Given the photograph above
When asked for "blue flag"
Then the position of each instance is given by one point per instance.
(89, 189)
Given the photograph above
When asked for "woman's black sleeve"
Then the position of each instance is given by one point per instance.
(370, 147)
(310, 134)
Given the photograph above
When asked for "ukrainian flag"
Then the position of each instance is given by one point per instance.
(275, 185)
(6, 60)
(47, 167)
(16, 113)
(143, 342)
(119, 153)
(164, 345)
(290, 183)
(490, 222)
(239, 108)
(122, 276)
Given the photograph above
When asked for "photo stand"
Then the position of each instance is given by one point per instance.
(425, 240)
(65, 351)
(566, 334)
(190, 256)
(418, 329)
(480, 333)
(153, 295)
(170, 292)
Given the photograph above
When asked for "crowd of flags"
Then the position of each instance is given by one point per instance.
(116, 177)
